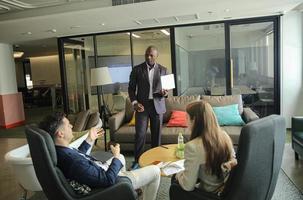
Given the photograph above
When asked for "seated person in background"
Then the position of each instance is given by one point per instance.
(209, 155)
(78, 166)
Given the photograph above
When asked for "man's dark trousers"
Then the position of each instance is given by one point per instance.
(142, 119)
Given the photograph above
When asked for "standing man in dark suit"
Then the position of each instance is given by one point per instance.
(147, 96)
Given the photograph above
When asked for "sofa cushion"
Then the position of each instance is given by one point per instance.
(93, 120)
(170, 134)
(125, 134)
(216, 101)
(177, 103)
(233, 132)
(81, 120)
(228, 115)
(177, 119)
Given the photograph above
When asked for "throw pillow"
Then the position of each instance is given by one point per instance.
(79, 188)
(228, 115)
(133, 121)
(178, 119)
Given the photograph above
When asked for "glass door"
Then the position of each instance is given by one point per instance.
(76, 52)
(252, 69)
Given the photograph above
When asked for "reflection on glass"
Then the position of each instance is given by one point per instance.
(200, 60)
(113, 51)
(76, 52)
(160, 38)
(252, 65)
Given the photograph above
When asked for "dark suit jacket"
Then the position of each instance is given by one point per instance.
(138, 87)
(76, 167)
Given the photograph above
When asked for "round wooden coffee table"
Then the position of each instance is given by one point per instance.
(159, 153)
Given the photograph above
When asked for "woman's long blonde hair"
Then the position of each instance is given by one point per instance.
(217, 145)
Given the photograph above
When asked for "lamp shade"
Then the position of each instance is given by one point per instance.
(100, 76)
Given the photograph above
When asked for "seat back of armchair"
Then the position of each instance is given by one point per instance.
(259, 155)
(43, 153)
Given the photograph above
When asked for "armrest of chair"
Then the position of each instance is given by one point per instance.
(296, 124)
(115, 122)
(123, 189)
(249, 115)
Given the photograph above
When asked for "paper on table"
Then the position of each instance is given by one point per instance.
(173, 167)
(168, 82)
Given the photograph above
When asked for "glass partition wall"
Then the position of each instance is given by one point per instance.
(230, 58)
(119, 52)
(76, 53)
(114, 52)
(200, 60)
(220, 58)
(252, 65)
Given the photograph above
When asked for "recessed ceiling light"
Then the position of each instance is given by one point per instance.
(227, 17)
(197, 16)
(210, 12)
(52, 30)
(103, 24)
(226, 10)
(27, 33)
(75, 26)
(165, 32)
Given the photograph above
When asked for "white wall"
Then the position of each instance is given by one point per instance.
(291, 68)
(8, 82)
(45, 70)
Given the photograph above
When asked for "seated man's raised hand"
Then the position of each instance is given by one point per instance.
(93, 134)
(115, 150)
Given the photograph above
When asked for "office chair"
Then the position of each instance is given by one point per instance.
(259, 155)
(52, 180)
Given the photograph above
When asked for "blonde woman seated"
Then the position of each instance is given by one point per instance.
(209, 155)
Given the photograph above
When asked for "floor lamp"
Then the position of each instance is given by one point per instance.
(99, 77)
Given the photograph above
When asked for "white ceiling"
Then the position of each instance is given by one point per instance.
(74, 17)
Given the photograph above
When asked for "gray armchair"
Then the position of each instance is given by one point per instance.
(52, 180)
(297, 136)
(259, 155)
